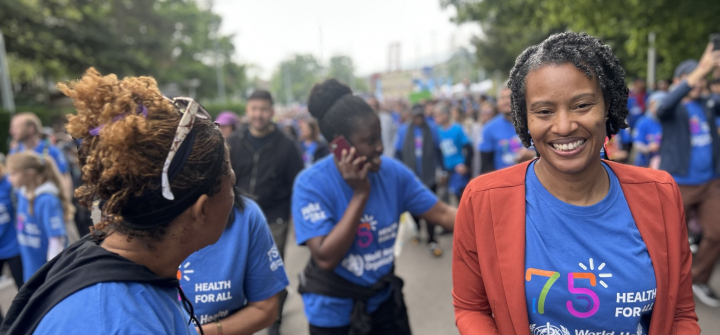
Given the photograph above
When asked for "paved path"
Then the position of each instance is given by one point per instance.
(428, 284)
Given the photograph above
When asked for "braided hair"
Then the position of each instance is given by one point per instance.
(337, 110)
(587, 53)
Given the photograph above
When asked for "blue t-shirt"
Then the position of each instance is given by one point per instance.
(452, 140)
(8, 238)
(417, 132)
(34, 230)
(319, 201)
(118, 308)
(647, 131)
(52, 151)
(587, 269)
(308, 153)
(700, 169)
(243, 266)
(499, 137)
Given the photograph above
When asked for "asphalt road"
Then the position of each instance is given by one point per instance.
(428, 284)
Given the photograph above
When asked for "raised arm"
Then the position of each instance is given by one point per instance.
(329, 250)
(473, 314)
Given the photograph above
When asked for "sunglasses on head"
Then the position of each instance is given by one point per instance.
(190, 109)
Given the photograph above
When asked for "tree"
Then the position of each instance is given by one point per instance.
(682, 27)
(172, 40)
(295, 77)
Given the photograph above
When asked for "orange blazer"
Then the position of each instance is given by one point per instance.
(489, 251)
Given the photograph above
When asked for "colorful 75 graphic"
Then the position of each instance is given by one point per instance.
(583, 293)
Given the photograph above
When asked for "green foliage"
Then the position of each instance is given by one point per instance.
(295, 77)
(215, 109)
(173, 40)
(681, 26)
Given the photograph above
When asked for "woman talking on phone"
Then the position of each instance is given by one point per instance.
(569, 243)
(346, 209)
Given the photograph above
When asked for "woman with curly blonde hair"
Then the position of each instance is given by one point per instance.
(160, 169)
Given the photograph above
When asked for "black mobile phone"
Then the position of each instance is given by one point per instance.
(715, 39)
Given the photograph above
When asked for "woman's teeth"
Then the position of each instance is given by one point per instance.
(568, 146)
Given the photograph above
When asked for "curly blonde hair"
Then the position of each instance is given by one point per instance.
(127, 156)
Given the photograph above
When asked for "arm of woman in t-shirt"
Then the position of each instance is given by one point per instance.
(441, 214)
(253, 318)
(473, 315)
(329, 250)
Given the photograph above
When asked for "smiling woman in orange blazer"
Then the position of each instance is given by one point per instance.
(569, 243)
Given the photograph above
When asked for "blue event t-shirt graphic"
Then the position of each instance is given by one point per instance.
(320, 199)
(587, 268)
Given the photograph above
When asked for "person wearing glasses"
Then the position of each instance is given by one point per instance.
(160, 168)
(346, 211)
(568, 243)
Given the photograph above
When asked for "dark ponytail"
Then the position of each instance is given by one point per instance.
(336, 109)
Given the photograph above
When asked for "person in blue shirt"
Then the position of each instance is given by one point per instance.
(41, 209)
(647, 135)
(347, 210)
(500, 146)
(418, 146)
(569, 243)
(9, 249)
(122, 278)
(456, 151)
(690, 152)
(25, 130)
(237, 293)
(313, 147)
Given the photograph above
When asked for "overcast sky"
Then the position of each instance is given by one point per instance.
(269, 31)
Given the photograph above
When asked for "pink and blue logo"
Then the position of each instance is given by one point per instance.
(365, 235)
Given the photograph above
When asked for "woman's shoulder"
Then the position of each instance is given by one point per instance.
(320, 167)
(120, 300)
(509, 177)
(629, 174)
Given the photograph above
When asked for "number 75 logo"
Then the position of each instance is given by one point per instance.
(582, 293)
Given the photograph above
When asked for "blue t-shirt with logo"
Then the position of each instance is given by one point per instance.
(647, 131)
(499, 137)
(52, 151)
(452, 140)
(8, 238)
(418, 136)
(587, 268)
(33, 230)
(243, 266)
(700, 169)
(118, 308)
(319, 201)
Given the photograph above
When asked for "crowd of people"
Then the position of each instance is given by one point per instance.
(195, 213)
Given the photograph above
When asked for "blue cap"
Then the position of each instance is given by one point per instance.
(686, 67)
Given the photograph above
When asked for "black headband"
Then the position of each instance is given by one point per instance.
(151, 209)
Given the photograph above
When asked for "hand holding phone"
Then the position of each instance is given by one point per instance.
(715, 40)
(353, 169)
(338, 145)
